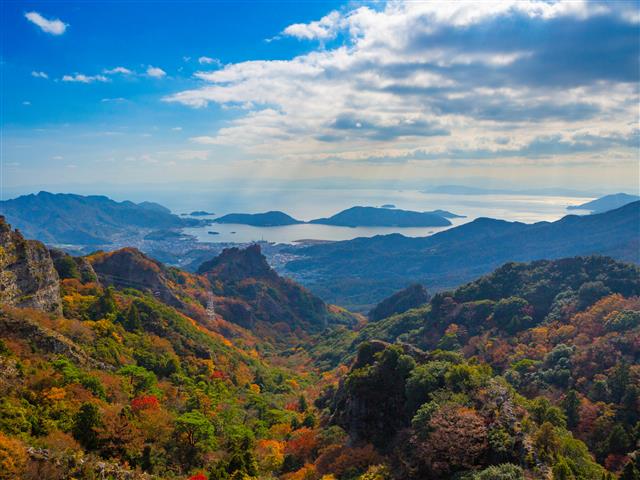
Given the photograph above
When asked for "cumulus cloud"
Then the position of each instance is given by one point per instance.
(54, 27)
(438, 78)
(39, 74)
(82, 78)
(155, 72)
(116, 70)
(209, 61)
(324, 29)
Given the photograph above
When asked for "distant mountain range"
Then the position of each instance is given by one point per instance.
(466, 190)
(351, 217)
(606, 203)
(358, 273)
(89, 220)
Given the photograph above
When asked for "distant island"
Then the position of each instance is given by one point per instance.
(267, 219)
(606, 203)
(201, 213)
(384, 217)
(388, 205)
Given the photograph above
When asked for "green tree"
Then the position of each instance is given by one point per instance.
(562, 470)
(506, 471)
(140, 379)
(132, 321)
(105, 305)
(85, 425)
(571, 405)
(546, 440)
(512, 314)
(195, 436)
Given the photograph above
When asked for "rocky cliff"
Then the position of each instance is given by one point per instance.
(27, 275)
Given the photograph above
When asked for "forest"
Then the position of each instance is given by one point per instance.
(529, 372)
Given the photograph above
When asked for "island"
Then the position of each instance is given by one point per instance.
(388, 205)
(266, 219)
(201, 213)
(606, 203)
(383, 217)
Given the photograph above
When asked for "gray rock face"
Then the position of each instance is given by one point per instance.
(27, 275)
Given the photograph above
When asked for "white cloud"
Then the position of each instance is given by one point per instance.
(405, 83)
(26, 103)
(209, 61)
(324, 29)
(155, 72)
(177, 129)
(82, 78)
(54, 27)
(113, 100)
(39, 74)
(121, 70)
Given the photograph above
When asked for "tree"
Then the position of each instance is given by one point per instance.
(512, 314)
(106, 305)
(506, 471)
(618, 381)
(571, 405)
(546, 441)
(13, 458)
(85, 425)
(562, 471)
(302, 404)
(194, 434)
(132, 321)
(590, 292)
(140, 379)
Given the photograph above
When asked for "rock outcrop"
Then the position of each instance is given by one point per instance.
(27, 274)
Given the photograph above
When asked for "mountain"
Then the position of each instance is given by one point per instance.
(263, 300)
(411, 297)
(384, 217)
(562, 333)
(85, 220)
(606, 203)
(27, 275)
(360, 272)
(528, 372)
(267, 219)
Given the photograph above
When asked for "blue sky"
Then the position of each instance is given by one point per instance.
(526, 92)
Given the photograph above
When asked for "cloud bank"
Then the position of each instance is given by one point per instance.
(440, 81)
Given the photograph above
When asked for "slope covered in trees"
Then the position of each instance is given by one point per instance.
(529, 372)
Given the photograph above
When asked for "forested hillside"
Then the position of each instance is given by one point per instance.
(134, 370)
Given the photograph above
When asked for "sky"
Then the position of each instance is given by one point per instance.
(519, 93)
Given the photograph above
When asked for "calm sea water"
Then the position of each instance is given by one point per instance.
(313, 203)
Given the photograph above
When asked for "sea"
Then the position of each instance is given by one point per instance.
(307, 204)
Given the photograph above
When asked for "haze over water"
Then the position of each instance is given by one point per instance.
(315, 203)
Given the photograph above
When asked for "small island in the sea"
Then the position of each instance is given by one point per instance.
(201, 213)
(388, 205)
(267, 219)
(211, 232)
(351, 217)
(386, 217)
